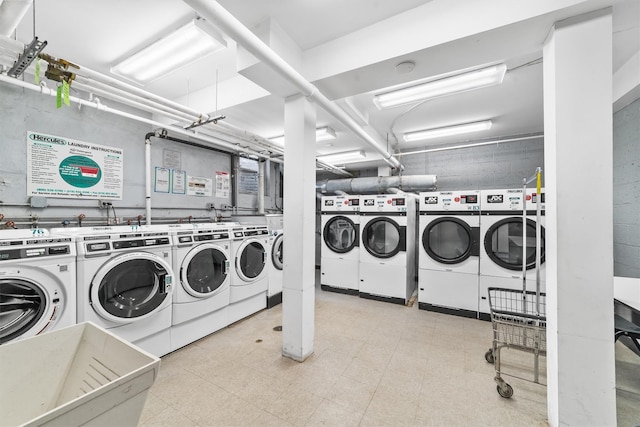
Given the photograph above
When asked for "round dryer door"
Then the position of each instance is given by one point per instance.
(204, 270)
(277, 252)
(448, 240)
(23, 304)
(503, 243)
(340, 234)
(384, 238)
(250, 260)
(131, 287)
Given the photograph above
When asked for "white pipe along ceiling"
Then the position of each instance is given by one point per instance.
(222, 135)
(226, 22)
(11, 13)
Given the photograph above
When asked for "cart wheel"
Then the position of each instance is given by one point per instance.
(488, 356)
(506, 391)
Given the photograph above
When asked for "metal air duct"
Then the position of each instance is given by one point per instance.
(378, 184)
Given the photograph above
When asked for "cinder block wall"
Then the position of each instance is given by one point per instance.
(485, 167)
(626, 191)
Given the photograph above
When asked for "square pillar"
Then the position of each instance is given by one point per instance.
(298, 294)
(578, 147)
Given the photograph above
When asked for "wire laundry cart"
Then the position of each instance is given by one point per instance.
(518, 317)
(518, 321)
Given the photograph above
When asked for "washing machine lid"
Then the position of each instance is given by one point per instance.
(23, 304)
(131, 287)
(250, 260)
(204, 270)
(341, 234)
(450, 240)
(503, 243)
(277, 252)
(383, 237)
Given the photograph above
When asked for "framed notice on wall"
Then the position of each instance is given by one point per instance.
(63, 167)
(223, 184)
(248, 182)
(198, 186)
(162, 180)
(178, 181)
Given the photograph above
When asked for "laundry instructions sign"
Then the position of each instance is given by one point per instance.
(63, 167)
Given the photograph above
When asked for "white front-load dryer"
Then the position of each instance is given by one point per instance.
(249, 272)
(340, 244)
(275, 223)
(37, 283)
(125, 282)
(448, 251)
(388, 260)
(276, 266)
(501, 250)
(201, 257)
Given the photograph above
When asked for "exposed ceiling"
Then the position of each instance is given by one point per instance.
(96, 34)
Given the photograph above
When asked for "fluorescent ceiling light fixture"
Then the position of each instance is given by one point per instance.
(181, 47)
(322, 134)
(446, 131)
(445, 86)
(343, 157)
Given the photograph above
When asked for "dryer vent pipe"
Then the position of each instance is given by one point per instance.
(378, 184)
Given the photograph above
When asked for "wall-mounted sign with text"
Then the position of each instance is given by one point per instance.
(198, 186)
(64, 167)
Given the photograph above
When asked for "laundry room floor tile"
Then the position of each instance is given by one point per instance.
(374, 364)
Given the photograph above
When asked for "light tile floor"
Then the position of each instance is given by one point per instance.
(374, 364)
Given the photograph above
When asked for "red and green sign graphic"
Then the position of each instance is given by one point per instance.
(80, 171)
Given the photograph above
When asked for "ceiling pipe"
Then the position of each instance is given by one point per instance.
(182, 114)
(11, 13)
(101, 107)
(378, 185)
(10, 44)
(215, 13)
(95, 78)
(136, 102)
(109, 87)
(147, 176)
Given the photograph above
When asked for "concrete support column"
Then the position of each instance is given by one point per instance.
(579, 252)
(298, 295)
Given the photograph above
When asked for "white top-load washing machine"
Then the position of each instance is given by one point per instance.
(276, 261)
(449, 252)
(201, 290)
(388, 259)
(125, 282)
(37, 283)
(340, 246)
(501, 253)
(249, 272)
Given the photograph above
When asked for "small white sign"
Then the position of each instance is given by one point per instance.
(198, 186)
(171, 159)
(162, 180)
(178, 181)
(222, 184)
